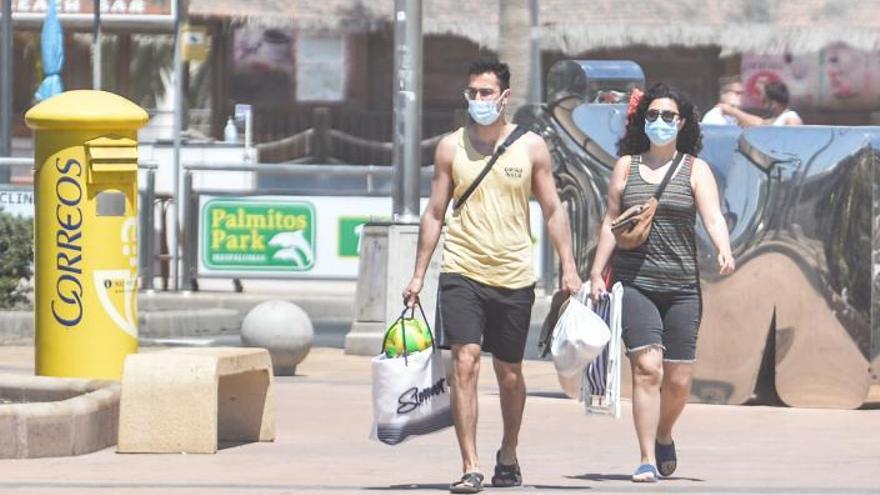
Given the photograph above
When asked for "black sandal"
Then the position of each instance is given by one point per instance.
(506, 475)
(469, 483)
(666, 458)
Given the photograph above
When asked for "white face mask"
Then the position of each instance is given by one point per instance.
(484, 112)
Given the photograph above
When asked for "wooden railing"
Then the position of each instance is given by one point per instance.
(322, 142)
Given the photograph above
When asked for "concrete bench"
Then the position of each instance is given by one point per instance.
(190, 399)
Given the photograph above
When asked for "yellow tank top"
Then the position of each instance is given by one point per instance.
(489, 239)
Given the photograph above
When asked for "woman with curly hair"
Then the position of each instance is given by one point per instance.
(662, 303)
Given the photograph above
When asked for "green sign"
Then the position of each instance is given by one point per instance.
(242, 235)
(350, 236)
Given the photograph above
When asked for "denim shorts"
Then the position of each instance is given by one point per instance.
(668, 320)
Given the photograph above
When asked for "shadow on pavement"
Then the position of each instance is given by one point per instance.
(558, 487)
(445, 487)
(548, 395)
(229, 444)
(412, 486)
(624, 477)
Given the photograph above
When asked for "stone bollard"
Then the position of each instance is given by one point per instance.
(282, 328)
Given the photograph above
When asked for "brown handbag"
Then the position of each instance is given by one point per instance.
(632, 227)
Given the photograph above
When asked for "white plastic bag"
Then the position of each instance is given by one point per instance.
(578, 337)
(572, 386)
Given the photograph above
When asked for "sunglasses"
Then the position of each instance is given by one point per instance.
(482, 93)
(668, 116)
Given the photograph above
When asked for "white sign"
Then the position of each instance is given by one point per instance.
(123, 7)
(320, 68)
(242, 111)
(156, 15)
(338, 223)
(17, 201)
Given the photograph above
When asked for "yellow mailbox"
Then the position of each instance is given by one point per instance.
(85, 233)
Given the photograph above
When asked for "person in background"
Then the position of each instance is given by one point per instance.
(776, 99)
(731, 94)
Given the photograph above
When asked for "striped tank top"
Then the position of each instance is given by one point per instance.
(667, 261)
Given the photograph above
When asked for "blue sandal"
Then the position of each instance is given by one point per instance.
(666, 459)
(646, 473)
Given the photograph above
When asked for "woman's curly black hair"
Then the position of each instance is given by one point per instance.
(635, 141)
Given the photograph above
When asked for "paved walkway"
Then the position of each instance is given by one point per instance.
(323, 417)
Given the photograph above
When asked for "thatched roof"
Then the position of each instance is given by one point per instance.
(573, 26)
(769, 26)
(312, 15)
(470, 19)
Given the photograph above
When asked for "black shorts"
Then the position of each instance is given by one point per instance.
(669, 320)
(498, 319)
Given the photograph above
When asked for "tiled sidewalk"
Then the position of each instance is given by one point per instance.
(323, 417)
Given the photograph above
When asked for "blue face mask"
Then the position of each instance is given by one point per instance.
(661, 133)
(484, 112)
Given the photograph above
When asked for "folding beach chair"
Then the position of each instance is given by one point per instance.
(600, 386)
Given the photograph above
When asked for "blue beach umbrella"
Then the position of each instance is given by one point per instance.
(52, 49)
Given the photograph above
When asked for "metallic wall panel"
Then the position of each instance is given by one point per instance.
(802, 207)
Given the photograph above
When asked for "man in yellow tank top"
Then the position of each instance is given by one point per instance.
(487, 281)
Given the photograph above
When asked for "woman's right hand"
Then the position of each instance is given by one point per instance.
(597, 287)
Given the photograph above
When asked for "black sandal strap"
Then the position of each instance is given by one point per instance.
(469, 483)
(501, 470)
(505, 468)
(506, 474)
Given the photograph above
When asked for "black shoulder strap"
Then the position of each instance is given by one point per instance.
(669, 173)
(513, 136)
